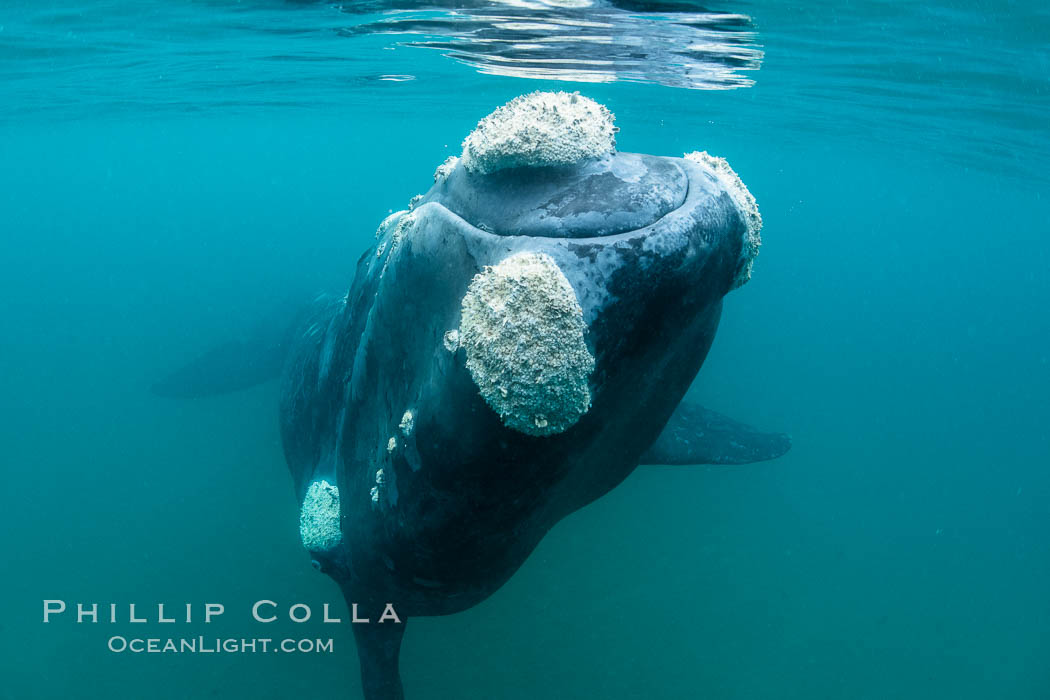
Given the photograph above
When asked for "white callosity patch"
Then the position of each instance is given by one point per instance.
(391, 232)
(319, 517)
(404, 225)
(446, 168)
(745, 204)
(540, 129)
(389, 221)
(451, 340)
(523, 332)
(377, 491)
(407, 423)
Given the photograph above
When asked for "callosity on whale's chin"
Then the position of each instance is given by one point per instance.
(510, 347)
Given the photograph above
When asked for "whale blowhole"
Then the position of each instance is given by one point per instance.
(541, 129)
(523, 332)
(319, 517)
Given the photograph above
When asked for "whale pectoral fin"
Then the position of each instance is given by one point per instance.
(257, 356)
(379, 650)
(236, 365)
(697, 435)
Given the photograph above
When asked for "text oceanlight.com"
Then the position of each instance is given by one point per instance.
(203, 645)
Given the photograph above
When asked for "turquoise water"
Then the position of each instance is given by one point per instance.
(174, 171)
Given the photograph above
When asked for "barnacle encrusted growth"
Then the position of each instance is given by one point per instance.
(446, 168)
(394, 227)
(523, 332)
(540, 129)
(744, 202)
(404, 225)
(408, 422)
(379, 489)
(319, 517)
(389, 221)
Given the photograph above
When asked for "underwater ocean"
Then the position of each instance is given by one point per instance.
(173, 172)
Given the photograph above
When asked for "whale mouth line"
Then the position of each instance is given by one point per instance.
(622, 235)
(606, 238)
(618, 194)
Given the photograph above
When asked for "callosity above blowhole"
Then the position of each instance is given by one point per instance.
(540, 129)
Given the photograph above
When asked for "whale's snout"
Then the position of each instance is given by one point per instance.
(565, 271)
(546, 165)
(615, 194)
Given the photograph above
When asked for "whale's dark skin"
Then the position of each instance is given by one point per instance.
(650, 246)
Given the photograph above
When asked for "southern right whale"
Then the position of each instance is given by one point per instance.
(512, 347)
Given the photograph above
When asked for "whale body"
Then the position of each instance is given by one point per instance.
(512, 347)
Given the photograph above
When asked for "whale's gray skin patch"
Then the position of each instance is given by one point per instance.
(438, 511)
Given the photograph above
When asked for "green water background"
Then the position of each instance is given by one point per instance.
(896, 326)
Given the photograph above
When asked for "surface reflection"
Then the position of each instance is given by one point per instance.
(672, 44)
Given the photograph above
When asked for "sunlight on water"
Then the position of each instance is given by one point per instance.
(586, 42)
